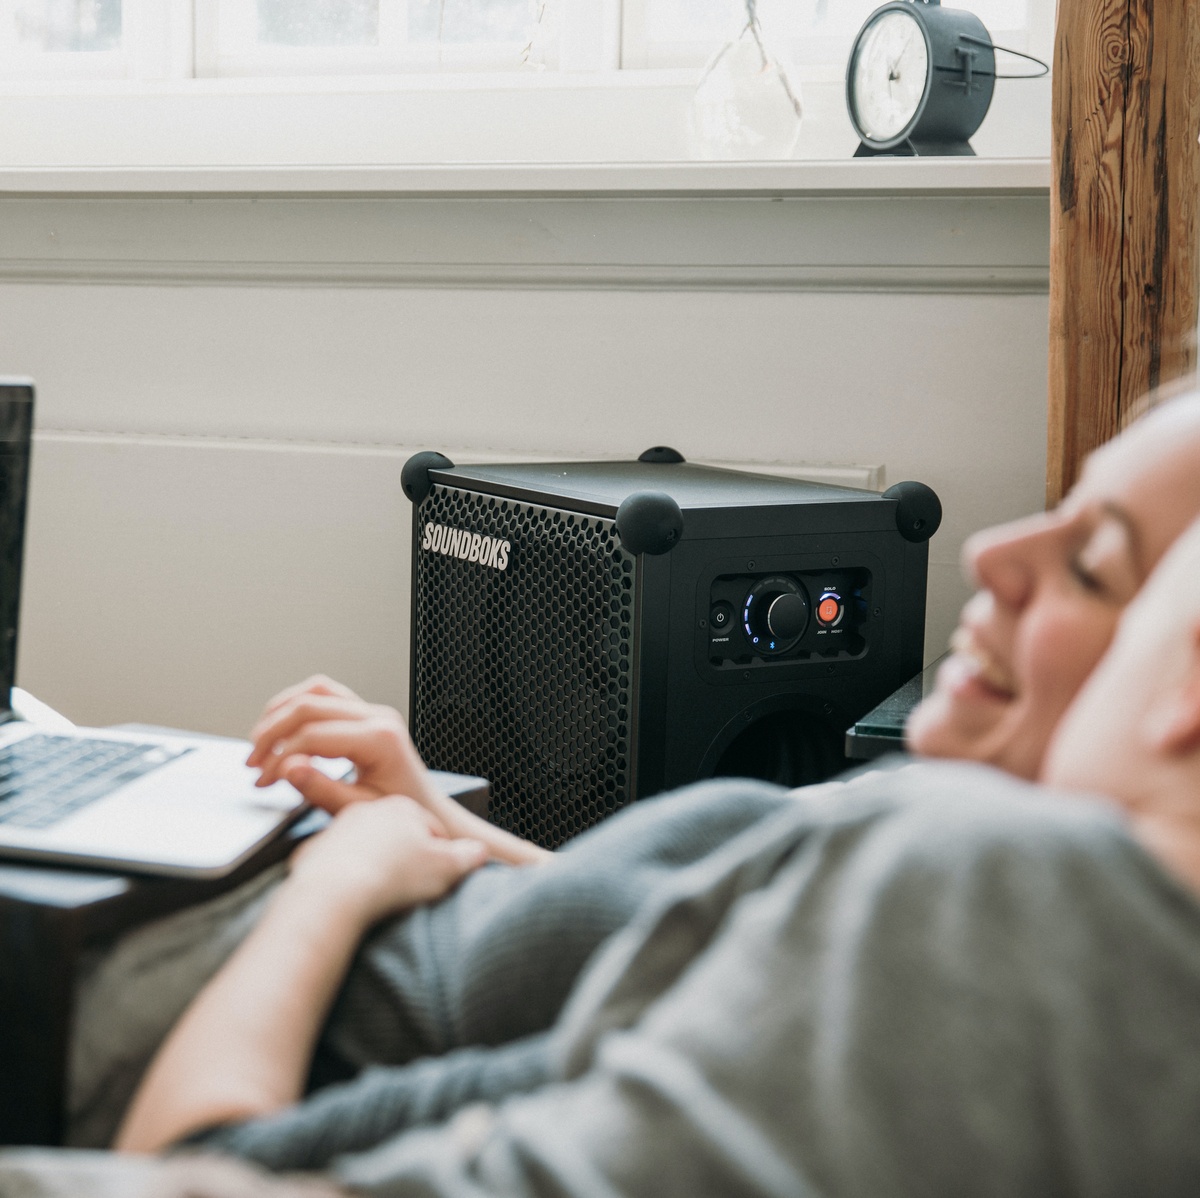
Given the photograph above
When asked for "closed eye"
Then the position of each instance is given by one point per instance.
(1103, 565)
(1084, 576)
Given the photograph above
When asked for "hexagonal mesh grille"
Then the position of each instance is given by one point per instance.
(525, 675)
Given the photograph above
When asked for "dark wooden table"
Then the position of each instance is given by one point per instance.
(49, 917)
(881, 730)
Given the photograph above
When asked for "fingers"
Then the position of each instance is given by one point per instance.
(333, 795)
(449, 862)
(317, 684)
(383, 856)
(320, 789)
(275, 729)
(301, 709)
(373, 745)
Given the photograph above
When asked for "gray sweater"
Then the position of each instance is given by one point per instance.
(934, 981)
(463, 993)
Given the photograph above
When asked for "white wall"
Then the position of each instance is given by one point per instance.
(228, 388)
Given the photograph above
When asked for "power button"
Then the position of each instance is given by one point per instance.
(720, 619)
(829, 610)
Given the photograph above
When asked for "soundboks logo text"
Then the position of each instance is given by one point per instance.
(467, 546)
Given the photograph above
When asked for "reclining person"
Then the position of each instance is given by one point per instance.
(932, 980)
(495, 964)
(1053, 588)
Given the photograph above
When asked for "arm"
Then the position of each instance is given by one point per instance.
(243, 1048)
(322, 718)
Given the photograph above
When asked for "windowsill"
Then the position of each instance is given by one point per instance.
(374, 170)
(622, 133)
(999, 176)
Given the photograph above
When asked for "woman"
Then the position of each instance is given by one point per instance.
(879, 989)
(1051, 591)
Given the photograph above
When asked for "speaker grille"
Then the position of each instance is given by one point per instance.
(526, 675)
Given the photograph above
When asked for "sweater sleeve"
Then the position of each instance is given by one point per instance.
(380, 1103)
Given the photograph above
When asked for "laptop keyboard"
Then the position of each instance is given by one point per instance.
(46, 778)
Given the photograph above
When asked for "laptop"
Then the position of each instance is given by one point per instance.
(173, 805)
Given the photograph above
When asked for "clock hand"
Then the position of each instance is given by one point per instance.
(895, 62)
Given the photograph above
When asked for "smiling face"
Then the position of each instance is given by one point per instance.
(1051, 590)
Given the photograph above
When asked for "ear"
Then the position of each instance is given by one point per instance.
(1173, 723)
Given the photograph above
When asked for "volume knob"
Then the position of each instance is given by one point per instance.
(787, 616)
(775, 614)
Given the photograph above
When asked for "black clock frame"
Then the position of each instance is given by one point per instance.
(958, 84)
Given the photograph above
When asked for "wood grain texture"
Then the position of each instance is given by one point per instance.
(1123, 237)
(1162, 179)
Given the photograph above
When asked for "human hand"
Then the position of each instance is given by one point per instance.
(323, 718)
(378, 858)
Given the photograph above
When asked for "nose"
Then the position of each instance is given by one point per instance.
(1007, 560)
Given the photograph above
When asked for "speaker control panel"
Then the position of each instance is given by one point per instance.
(786, 616)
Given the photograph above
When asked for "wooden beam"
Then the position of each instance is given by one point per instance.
(1124, 248)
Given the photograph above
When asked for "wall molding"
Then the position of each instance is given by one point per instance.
(945, 279)
(579, 180)
(952, 244)
(867, 477)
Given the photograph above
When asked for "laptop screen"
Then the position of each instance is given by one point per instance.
(16, 428)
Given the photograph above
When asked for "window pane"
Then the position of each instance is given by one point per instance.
(471, 20)
(685, 20)
(68, 24)
(318, 22)
(274, 37)
(676, 21)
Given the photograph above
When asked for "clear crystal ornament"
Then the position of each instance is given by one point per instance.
(543, 34)
(747, 104)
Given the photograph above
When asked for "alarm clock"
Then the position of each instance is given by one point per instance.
(919, 79)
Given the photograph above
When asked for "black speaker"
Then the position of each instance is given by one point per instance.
(585, 634)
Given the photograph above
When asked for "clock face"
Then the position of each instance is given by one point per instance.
(889, 72)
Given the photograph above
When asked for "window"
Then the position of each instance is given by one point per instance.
(61, 38)
(393, 82)
(661, 33)
(273, 37)
(134, 38)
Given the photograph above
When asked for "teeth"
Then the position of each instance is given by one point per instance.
(986, 668)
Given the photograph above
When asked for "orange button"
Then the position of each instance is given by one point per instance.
(828, 611)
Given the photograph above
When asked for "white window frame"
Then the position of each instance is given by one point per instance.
(173, 39)
(151, 110)
(816, 54)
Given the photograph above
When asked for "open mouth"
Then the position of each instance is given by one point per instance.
(979, 668)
